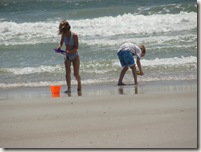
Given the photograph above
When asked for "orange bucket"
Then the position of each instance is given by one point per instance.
(55, 95)
(55, 90)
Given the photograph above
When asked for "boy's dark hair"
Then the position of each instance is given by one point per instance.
(142, 47)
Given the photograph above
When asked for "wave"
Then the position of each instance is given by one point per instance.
(30, 84)
(102, 67)
(12, 33)
(175, 61)
(97, 72)
(170, 61)
(32, 70)
(136, 24)
(99, 81)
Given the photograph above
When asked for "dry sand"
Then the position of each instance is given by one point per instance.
(153, 120)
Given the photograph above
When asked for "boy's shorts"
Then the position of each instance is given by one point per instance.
(126, 58)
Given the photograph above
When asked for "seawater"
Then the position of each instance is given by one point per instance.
(29, 33)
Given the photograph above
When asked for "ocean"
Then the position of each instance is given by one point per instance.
(29, 33)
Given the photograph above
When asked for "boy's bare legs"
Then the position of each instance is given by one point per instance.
(123, 72)
(68, 77)
(133, 68)
(76, 67)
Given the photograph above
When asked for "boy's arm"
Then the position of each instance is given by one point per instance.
(139, 66)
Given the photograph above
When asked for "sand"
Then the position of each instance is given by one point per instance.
(165, 119)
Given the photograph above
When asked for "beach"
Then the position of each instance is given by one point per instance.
(101, 118)
(160, 112)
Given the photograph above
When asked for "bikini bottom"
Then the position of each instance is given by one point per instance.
(71, 57)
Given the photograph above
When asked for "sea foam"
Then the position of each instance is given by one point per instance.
(12, 33)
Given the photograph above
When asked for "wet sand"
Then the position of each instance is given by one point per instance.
(111, 117)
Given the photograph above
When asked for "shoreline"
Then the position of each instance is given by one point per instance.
(103, 89)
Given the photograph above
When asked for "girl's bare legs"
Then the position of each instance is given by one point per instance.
(123, 72)
(76, 67)
(68, 77)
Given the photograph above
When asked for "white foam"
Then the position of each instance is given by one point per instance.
(12, 33)
(136, 24)
(175, 61)
(99, 81)
(32, 70)
(49, 83)
(31, 84)
(170, 61)
(102, 28)
(169, 77)
(149, 39)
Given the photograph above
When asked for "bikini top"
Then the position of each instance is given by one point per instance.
(70, 41)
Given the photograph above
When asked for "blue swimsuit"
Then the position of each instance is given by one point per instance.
(70, 42)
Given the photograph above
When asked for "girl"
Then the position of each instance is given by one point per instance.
(72, 57)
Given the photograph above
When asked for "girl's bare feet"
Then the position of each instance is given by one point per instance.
(120, 84)
(68, 91)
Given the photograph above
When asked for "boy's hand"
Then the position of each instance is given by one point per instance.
(141, 73)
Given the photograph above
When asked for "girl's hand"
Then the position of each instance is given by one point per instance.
(59, 48)
(67, 51)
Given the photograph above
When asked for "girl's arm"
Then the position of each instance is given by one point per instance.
(61, 42)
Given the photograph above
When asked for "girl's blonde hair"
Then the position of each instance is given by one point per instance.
(64, 26)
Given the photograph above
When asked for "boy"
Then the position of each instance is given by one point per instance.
(125, 54)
